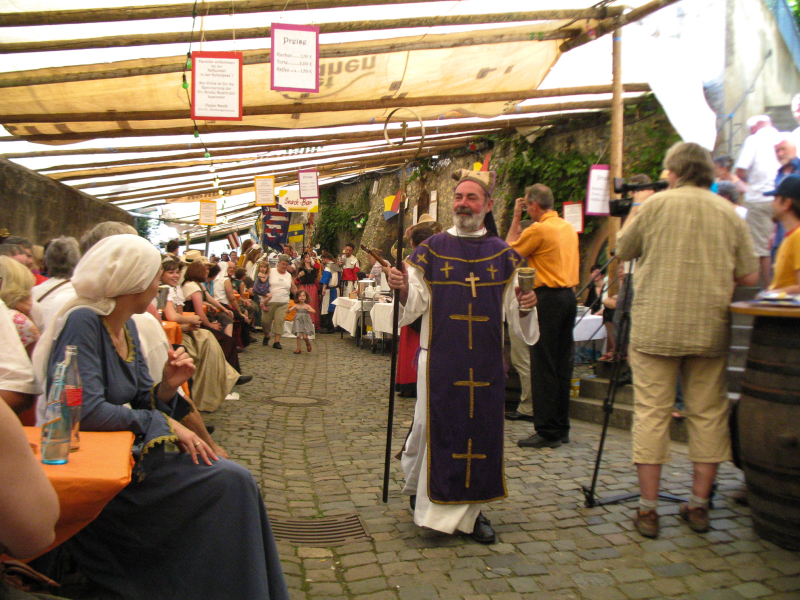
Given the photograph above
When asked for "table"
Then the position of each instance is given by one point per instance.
(173, 331)
(590, 327)
(381, 315)
(92, 477)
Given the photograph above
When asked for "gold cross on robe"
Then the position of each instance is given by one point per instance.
(472, 279)
(472, 384)
(469, 456)
(421, 258)
(492, 269)
(469, 319)
(446, 268)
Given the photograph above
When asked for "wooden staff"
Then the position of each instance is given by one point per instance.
(371, 252)
(395, 337)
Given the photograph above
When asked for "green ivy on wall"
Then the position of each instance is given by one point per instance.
(333, 220)
(565, 173)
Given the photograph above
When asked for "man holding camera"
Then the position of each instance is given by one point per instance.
(550, 246)
(692, 249)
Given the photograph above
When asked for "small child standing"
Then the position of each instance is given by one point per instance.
(302, 326)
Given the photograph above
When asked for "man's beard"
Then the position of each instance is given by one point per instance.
(468, 221)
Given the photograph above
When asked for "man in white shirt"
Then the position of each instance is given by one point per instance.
(757, 166)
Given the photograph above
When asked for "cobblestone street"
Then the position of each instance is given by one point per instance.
(326, 459)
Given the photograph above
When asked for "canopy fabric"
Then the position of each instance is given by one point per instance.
(461, 70)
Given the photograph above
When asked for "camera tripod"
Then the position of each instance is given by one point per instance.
(623, 336)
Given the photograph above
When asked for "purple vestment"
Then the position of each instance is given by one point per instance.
(466, 390)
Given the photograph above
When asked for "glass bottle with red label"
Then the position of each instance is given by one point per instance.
(74, 391)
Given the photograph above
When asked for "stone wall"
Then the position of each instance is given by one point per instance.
(39, 208)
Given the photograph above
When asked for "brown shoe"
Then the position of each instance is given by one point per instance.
(697, 517)
(646, 523)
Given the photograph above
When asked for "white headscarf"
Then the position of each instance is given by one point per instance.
(115, 266)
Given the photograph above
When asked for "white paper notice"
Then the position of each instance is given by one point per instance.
(294, 203)
(208, 212)
(295, 58)
(265, 190)
(433, 208)
(308, 181)
(597, 192)
(217, 86)
(573, 214)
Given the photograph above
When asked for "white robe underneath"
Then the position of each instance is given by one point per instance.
(443, 517)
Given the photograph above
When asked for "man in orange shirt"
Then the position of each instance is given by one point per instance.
(550, 246)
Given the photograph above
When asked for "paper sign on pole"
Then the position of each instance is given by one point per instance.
(295, 58)
(208, 212)
(597, 192)
(265, 190)
(217, 86)
(291, 201)
(573, 214)
(307, 179)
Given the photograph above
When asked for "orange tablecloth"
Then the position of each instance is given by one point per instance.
(173, 331)
(92, 477)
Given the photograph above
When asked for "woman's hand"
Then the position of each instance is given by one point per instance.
(190, 442)
(177, 370)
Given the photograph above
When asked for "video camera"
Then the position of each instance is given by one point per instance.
(621, 207)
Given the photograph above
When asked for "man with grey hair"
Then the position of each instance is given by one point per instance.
(685, 278)
(550, 245)
(756, 167)
(786, 153)
(281, 284)
(61, 257)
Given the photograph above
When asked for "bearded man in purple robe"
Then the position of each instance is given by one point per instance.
(463, 283)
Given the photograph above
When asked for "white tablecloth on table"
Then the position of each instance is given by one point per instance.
(381, 315)
(348, 313)
(589, 328)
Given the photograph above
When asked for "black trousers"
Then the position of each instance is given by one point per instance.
(552, 361)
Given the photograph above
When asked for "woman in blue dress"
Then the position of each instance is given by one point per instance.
(189, 525)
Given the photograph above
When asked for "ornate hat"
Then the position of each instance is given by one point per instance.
(485, 179)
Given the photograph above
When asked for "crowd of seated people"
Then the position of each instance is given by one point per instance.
(184, 494)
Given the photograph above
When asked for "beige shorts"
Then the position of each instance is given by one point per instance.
(704, 394)
(274, 317)
(759, 218)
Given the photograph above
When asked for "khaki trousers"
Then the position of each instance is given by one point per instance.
(274, 317)
(706, 398)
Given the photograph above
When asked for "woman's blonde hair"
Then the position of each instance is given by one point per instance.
(17, 281)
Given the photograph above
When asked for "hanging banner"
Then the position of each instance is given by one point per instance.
(265, 190)
(308, 180)
(217, 86)
(295, 233)
(597, 191)
(295, 58)
(573, 214)
(208, 212)
(291, 201)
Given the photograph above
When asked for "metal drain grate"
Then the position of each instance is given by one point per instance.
(300, 401)
(330, 531)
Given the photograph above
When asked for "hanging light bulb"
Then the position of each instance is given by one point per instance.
(221, 193)
(211, 168)
(216, 181)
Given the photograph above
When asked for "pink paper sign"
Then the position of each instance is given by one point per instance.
(295, 58)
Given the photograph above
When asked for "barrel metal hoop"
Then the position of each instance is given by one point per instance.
(770, 395)
(771, 367)
(765, 494)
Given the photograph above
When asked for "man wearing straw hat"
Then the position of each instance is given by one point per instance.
(462, 282)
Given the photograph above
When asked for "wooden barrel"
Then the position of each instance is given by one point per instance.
(769, 429)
